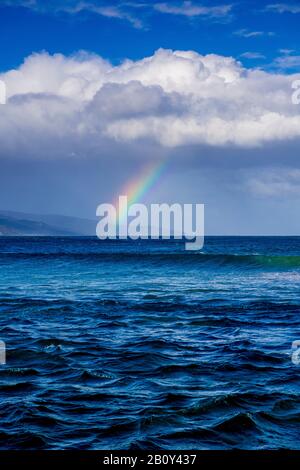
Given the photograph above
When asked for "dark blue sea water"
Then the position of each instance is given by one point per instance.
(141, 345)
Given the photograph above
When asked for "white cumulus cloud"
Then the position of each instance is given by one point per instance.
(59, 104)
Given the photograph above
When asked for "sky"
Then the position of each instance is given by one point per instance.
(98, 91)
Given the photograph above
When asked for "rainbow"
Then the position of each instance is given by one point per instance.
(136, 189)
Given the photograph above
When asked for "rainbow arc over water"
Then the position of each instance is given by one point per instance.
(136, 189)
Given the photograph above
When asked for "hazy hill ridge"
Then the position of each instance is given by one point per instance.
(21, 224)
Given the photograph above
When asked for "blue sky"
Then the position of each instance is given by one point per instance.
(256, 32)
(98, 90)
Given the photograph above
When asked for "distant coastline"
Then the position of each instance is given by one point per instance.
(23, 224)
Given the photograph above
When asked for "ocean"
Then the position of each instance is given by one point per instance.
(143, 345)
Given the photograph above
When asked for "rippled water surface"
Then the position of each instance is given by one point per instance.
(141, 345)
